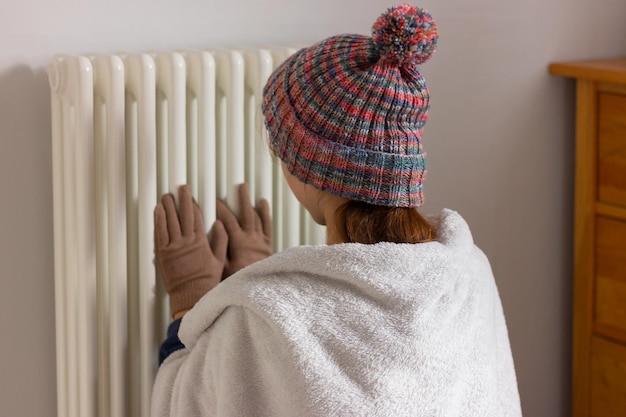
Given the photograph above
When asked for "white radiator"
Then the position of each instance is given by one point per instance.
(127, 128)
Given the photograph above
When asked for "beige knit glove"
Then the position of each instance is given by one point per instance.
(250, 239)
(190, 265)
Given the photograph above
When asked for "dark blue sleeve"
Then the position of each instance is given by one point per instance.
(172, 343)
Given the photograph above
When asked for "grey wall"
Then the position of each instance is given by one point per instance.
(500, 143)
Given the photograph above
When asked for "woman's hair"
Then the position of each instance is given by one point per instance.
(360, 222)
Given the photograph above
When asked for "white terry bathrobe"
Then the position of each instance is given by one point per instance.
(348, 330)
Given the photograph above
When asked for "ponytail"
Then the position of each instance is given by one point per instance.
(360, 222)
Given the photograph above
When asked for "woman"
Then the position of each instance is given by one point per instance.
(397, 315)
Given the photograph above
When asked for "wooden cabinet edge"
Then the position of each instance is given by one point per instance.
(584, 220)
(603, 70)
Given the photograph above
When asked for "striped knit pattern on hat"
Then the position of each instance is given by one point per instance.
(346, 114)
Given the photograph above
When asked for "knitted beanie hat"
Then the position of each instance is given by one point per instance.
(346, 114)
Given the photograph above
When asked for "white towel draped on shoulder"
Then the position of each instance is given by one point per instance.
(349, 330)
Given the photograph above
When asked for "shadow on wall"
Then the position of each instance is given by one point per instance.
(539, 167)
(25, 162)
(24, 129)
(25, 155)
(26, 246)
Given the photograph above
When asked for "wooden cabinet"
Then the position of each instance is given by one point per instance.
(599, 332)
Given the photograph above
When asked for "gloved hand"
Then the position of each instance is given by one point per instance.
(249, 240)
(191, 267)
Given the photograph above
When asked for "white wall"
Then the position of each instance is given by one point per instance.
(500, 142)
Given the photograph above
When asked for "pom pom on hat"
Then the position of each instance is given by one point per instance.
(405, 34)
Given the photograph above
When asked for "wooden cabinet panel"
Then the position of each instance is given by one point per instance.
(611, 273)
(612, 149)
(599, 313)
(608, 378)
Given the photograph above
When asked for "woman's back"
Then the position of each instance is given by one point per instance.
(350, 329)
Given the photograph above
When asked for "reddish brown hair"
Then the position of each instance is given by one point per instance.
(360, 222)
